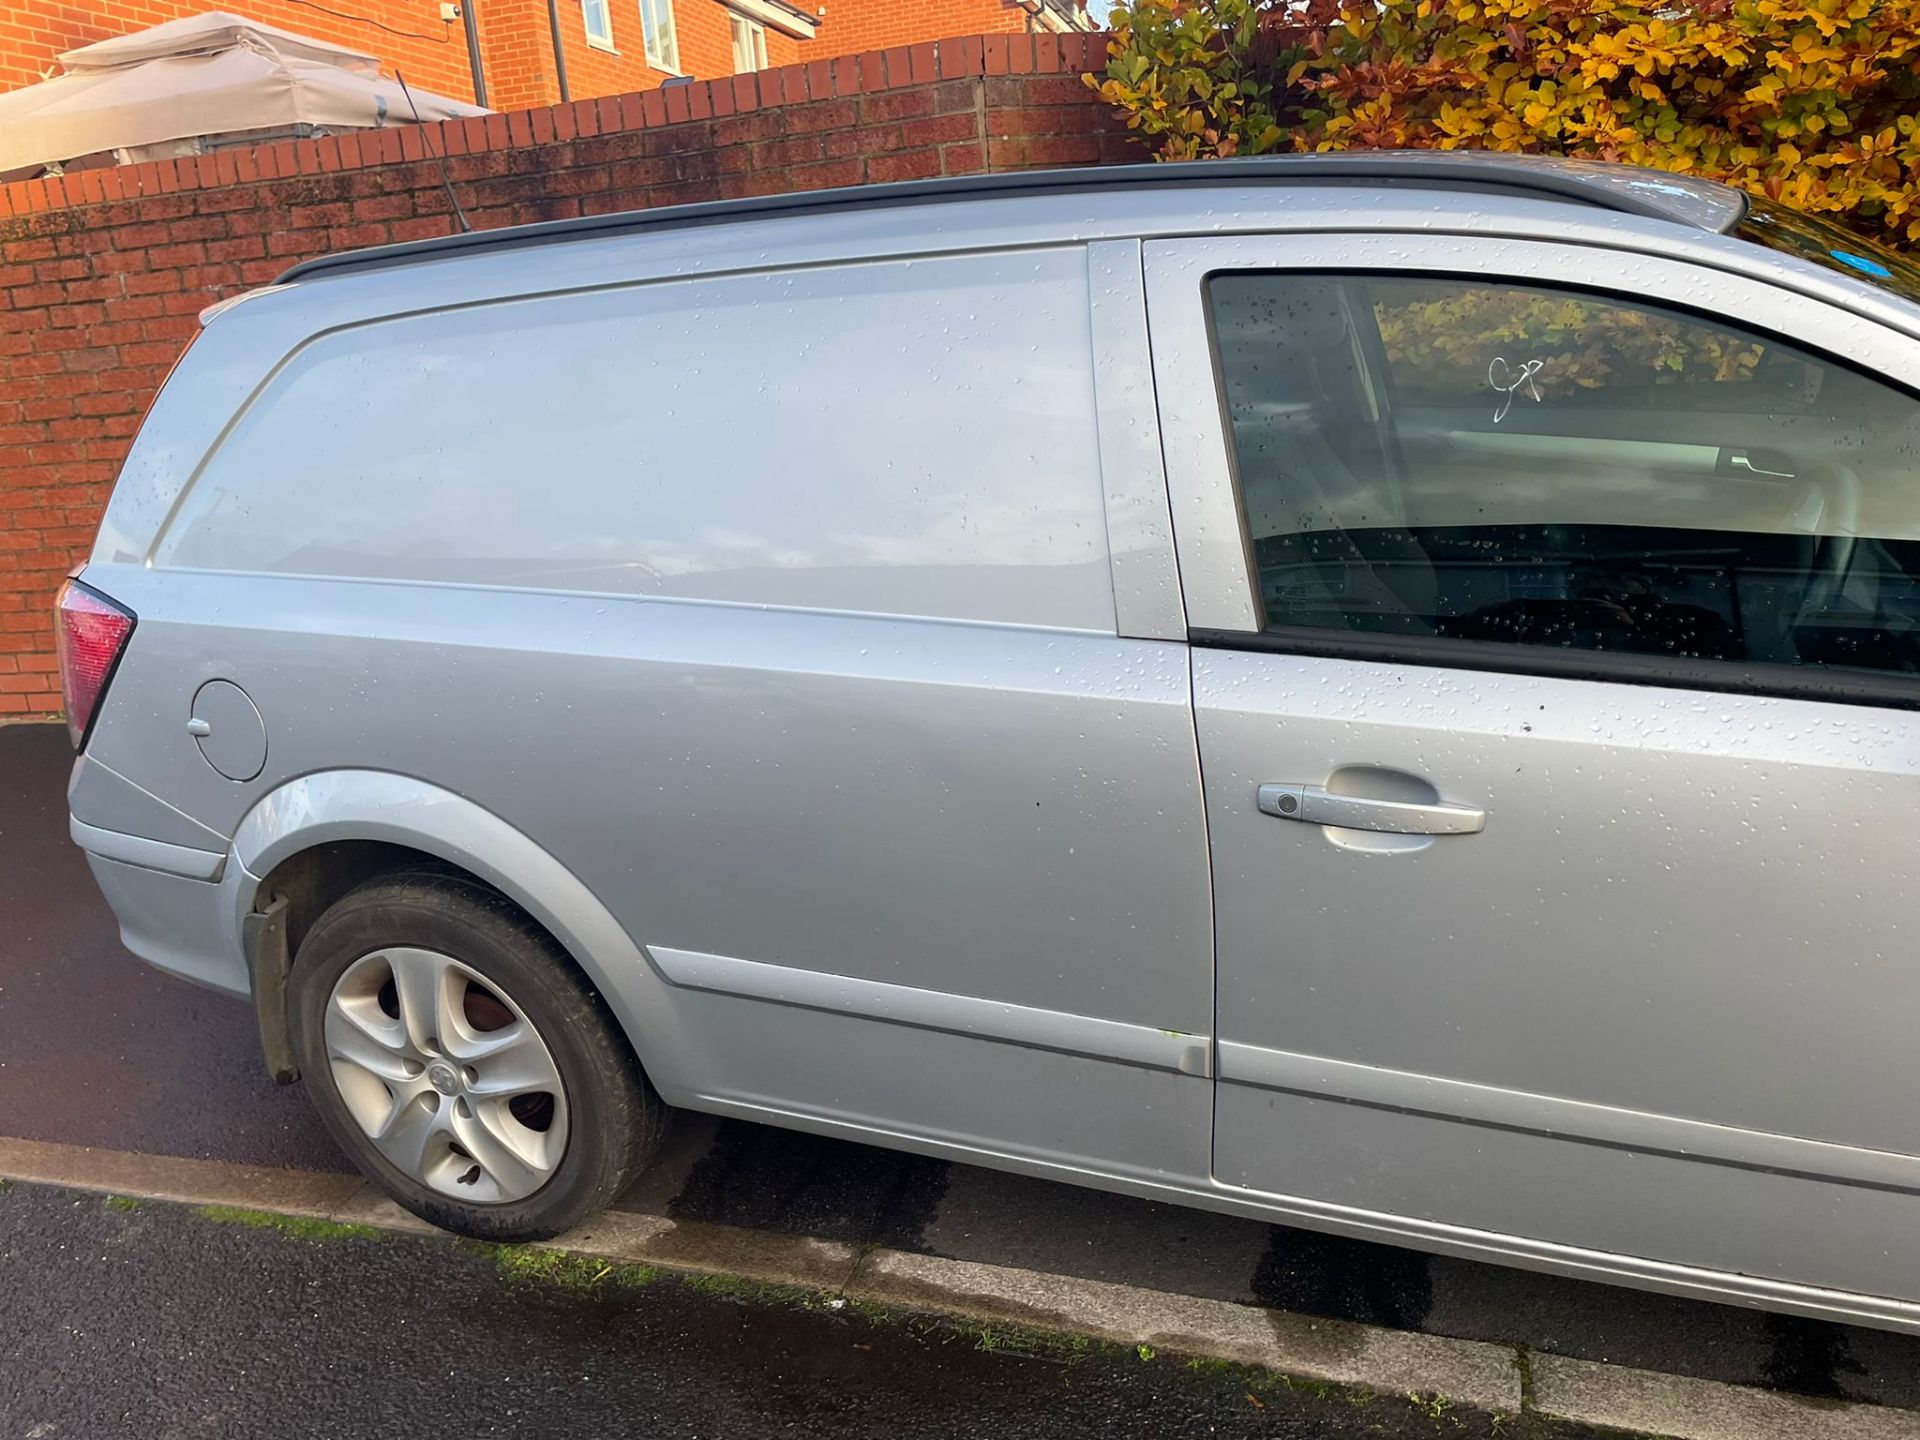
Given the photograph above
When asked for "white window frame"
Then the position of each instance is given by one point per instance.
(780, 16)
(749, 43)
(660, 36)
(603, 38)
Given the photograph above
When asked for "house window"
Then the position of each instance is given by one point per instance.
(749, 44)
(599, 19)
(656, 25)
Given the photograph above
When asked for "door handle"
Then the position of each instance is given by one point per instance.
(1755, 462)
(1356, 812)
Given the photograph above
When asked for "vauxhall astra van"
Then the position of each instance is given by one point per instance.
(1372, 692)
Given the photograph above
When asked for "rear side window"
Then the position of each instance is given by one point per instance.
(1808, 237)
(905, 438)
(1534, 467)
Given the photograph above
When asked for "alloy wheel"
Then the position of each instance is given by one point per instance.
(446, 1076)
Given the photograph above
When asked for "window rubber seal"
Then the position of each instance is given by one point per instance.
(1888, 690)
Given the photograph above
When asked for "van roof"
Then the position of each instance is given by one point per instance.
(1654, 194)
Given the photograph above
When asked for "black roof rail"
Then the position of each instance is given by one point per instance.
(1653, 194)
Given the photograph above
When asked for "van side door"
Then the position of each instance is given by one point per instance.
(1556, 622)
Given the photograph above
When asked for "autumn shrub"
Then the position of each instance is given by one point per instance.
(1812, 102)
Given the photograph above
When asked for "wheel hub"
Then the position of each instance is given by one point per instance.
(446, 1076)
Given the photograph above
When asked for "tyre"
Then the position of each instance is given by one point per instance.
(463, 1063)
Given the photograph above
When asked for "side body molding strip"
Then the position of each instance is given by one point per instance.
(937, 1010)
(1577, 1120)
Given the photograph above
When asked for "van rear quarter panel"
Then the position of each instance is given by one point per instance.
(776, 608)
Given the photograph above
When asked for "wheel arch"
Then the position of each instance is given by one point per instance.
(313, 839)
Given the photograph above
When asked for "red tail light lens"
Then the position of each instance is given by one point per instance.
(92, 633)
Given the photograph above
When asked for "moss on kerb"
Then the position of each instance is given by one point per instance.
(1257, 1381)
(534, 1264)
(1020, 1340)
(994, 1336)
(121, 1202)
(1523, 1359)
(294, 1227)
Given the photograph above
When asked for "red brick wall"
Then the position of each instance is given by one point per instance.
(410, 33)
(102, 273)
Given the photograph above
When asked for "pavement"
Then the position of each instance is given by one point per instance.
(97, 1050)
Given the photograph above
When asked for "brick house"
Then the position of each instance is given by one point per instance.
(609, 47)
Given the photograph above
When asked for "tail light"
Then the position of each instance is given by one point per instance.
(92, 634)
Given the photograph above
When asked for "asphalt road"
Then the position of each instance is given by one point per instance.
(96, 1049)
(154, 1320)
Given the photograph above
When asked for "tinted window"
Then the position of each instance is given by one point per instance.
(1549, 468)
(909, 439)
(1824, 243)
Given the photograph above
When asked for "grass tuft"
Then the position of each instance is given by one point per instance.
(1431, 1404)
(1019, 1340)
(536, 1265)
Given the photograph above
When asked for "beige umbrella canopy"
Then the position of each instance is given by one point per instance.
(203, 82)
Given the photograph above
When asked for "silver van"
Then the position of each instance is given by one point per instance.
(1373, 692)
